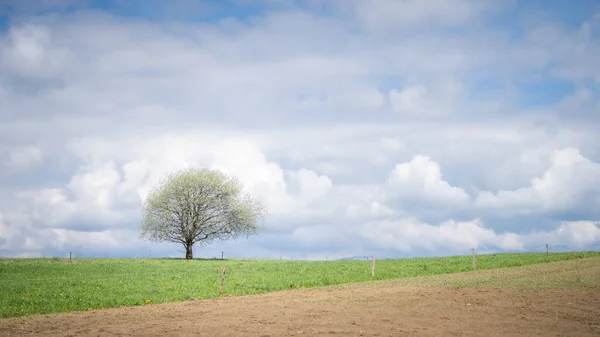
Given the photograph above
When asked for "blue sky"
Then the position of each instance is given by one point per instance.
(413, 128)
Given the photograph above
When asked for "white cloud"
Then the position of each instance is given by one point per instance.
(101, 239)
(421, 179)
(19, 237)
(459, 237)
(110, 193)
(24, 157)
(265, 179)
(570, 234)
(579, 53)
(109, 189)
(330, 106)
(97, 186)
(421, 101)
(29, 53)
(411, 100)
(311, 185)
(571, 181)
(451, 236)
(96, 195)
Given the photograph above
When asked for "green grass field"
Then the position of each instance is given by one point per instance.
(32, 286)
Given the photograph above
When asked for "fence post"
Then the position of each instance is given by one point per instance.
(70, 256)
(373, 266)
(221, 255)
(474, 259)
(546, 251)
(223, 280)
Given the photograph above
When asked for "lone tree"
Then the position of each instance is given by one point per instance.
(199, 206)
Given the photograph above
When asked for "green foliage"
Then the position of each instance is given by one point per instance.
(29, 286)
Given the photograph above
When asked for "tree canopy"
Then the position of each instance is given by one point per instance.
(199, 206)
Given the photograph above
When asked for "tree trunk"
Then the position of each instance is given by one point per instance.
(189, 254)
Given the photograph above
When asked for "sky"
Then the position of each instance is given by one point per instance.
(386, 127)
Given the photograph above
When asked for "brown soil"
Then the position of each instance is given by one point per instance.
(449, 305)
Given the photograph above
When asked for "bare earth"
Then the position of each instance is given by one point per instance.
(557, 299)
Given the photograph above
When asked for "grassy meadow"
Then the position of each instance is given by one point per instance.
(34, 286)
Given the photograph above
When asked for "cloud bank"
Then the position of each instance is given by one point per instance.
(407, 128)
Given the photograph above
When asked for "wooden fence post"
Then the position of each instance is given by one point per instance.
(223, 280)
(373, 266)
(70, 256)
(546, 250)
(474, 258)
